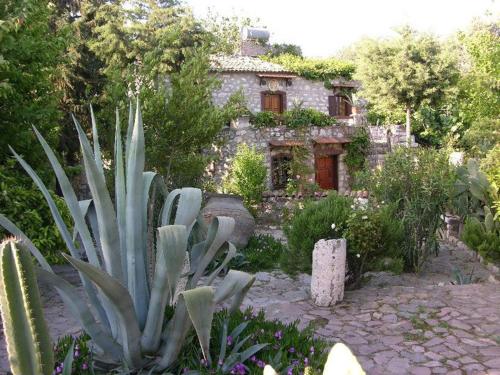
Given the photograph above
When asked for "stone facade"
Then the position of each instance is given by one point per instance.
(382, 140)
(312, 94)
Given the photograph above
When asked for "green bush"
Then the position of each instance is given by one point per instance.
(23, 204)
(300, 117)
(288, 347)
(310, 224)
(490, 165)
(419, 183)
(374, 240)
(247, 176)
(261, 254)
(478, 238)
(265, 119)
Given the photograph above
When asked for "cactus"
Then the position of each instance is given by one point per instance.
(28, 342)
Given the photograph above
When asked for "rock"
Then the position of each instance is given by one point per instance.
(328, 272)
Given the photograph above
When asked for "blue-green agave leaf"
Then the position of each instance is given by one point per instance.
(95, 139)
(230, 255)
(166, 215)
(123, 306)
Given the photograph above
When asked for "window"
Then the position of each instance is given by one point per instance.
(273, 101)
(280, 170)
(339, 106)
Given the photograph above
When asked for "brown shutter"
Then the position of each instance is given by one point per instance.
(283, 101)
(262, 101)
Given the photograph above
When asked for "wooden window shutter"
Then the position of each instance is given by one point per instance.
(332, 106)
(283, 101)
(262, 101)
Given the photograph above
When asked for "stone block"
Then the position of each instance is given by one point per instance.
(328, 272)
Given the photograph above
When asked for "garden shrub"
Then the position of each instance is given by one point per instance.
(374, 239)
(490, 165)
(479, 238)
(261, 254)
(310, 224)
(289, 349)
(299, 117)
(418, 182)
(265, 119)
(247, 176)
(23, 204)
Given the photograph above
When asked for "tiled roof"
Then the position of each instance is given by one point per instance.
(237, 63)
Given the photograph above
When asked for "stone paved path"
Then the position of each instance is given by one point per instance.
(394, 324)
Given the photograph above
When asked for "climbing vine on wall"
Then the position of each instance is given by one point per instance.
(357, 151)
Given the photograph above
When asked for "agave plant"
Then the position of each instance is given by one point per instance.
(131, 261)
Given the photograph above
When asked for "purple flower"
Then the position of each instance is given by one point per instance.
(278, 335)
(76, 354)
(291, 350)
(289, 372)
(295, 362)
(204, 362)
(221, 362)
(306, 361)
(59, 370)
(261, 364)
(239, 369)
(229, 340)
(311, 349)
(85, 366)
(253, 358)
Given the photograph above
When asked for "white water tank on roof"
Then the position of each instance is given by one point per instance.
(254, 33)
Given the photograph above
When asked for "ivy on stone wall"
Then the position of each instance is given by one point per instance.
(294, 118)
(315, 69)
(357, 151)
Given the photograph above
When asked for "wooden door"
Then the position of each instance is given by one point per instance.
(327, 172)
(273, 103)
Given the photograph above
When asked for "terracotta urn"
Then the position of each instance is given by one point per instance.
(231, 206)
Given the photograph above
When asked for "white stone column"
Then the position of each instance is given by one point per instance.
(328, 271)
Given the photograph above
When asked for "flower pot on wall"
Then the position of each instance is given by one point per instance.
(231, 206)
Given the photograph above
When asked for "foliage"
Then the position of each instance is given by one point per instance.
(419, 182)
(247, 176)
(374, 239)
(129, 322)
(278, 49)
(405, 72)
(473, 193)
(310, 224)
(300, 172)
(265, 119)
(357, 151)
(481, 137)
(462, 279)
(24, 205)
(298, 117)
(288, 347)
(490, 165)
(315, 69)
(81, 353)
(478, 86)
(26, 332)
(262, 253)
(30, 53)
(295, 118)
(486, 241)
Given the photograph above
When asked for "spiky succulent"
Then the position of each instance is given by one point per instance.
(131, 261)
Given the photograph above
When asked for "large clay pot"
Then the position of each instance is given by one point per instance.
(231, 206)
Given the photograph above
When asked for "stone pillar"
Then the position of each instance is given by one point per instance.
(328, 272)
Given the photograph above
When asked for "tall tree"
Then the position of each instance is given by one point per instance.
(404, 72)
(31, 50)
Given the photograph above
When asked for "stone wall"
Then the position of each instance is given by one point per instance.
(382, 140)
(312, 94)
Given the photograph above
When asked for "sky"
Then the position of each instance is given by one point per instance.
(322, 27)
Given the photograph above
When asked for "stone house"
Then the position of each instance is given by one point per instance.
(270, 87)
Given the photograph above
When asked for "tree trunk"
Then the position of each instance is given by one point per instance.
(408, 126)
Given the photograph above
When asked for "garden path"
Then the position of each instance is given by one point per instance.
(403, 324)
